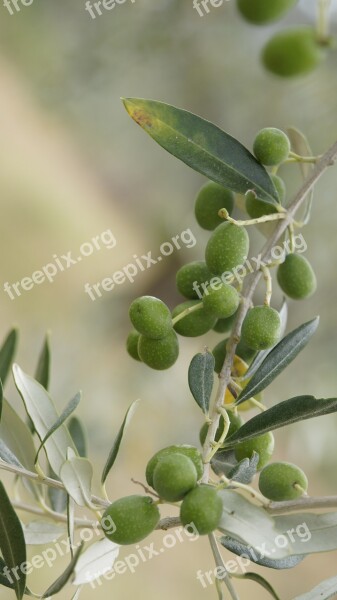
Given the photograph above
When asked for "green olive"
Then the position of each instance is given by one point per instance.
(195, 324)
(221, 301)
(296, 277)
(174, 476)
(260, 12)
(202, 508)
(263, 445)
(261, 328)
(236, 421)
(190, 451)
(227, 248)
(210, 199)
(151, 317)
(281, 481)
(131, 519)
(293, 52)
(191, 278)
(159, 354)
(271, 146)
(132, 344)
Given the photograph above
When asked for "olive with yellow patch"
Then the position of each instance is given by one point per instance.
(227, 248)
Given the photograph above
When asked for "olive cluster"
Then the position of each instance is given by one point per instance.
(291, 52)
(174, 473)
(211, 299)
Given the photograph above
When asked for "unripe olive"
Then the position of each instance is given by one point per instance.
(159, 354)
(132, 344)
(261, 327)
(235, 423)
(202, 507)
(263, 444)
(257, 208)
(225, 325)
(271, 146)
(210, 199)
(196, 323)
(174, 476)
(278, 481)
(133, 517)
(264, 11)
(190, 451)
(293, 52)
(296, 277)
(227, 248)
(280, 187)
(219, 353)
(221, 301)
(151, 317)
(197, 273)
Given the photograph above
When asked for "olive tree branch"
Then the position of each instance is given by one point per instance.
(220, 563)
(250, 283)
(302, 503)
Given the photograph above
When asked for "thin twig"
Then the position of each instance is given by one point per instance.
(249, 287)
(306, 502)
(220, 563)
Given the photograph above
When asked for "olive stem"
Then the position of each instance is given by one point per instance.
(250, 283)
(22, 472)
(223, 213)
(220, 563)
(146, 489)
(247, 488)
(186, 312)
(306, 502)
(269, 285)
(293, 157)
(217, 445)
(53, 515)
(323, 20)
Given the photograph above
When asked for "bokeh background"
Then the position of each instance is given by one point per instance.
(73, 164)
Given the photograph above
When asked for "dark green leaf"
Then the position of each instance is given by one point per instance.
(285, 413)
(1, 398)
(76, 431)
(61, 581)
(254, 555)
(117, 442)
(325, 590)
(71, 406)
(245, 470)
(7, 353)
(12, 542)
(202, 146)
(43, 365)
(224, 462)
(201, 379)
(278, 359)
(263, 582)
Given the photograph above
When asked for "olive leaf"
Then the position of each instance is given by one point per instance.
(7, 353)
(233, 545)
(202, 146)
(262, 582)
(61, 581)
(285, 413)
(77, 433)
(117, 442)
(43, 365)
(278, 359)
(76, 475)
(323, 591)
(42, 532)
(245, 470)
(69, 409)
(201, 379)
(98, 559)
(12, 543)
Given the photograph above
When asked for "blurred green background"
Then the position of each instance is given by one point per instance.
(73, 164)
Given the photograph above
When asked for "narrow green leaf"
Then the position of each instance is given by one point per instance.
(71, 523)
(257, 556)
(117, 442)
(77, 433)
(278, 359)
(325, 590)
(43, 365)
(57, 497)
(7, 455)
(44, 415)
(7, 353)
(312, 533)
(42, 532)
(285, 413)
(263, 582)
(201, 379)
(202, 146)
(12, 543)
(61, 581)
(1, 398)
(69, 409)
